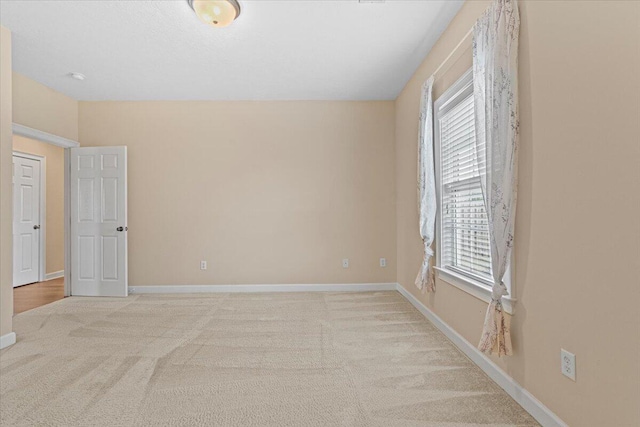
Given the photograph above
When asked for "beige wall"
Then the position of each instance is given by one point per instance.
(6, 200)
(39, 107)
(54, 197)
(266, 192)
(32, 104)
(578, 226)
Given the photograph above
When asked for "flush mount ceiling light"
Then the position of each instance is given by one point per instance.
(217, 13)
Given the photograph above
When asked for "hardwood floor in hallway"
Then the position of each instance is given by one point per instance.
(35, 295)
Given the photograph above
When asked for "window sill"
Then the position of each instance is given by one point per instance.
(473, 287)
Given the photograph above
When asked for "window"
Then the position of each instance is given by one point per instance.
(462, 230)
(465, 230)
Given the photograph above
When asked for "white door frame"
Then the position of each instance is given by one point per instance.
(42, 235)
(67, 144)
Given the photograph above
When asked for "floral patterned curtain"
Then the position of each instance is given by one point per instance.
(426, 186)
(495, 88)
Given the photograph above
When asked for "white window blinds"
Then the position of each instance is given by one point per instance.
(465, 236)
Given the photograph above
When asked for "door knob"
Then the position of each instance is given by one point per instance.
(120, 229)
(36, 227)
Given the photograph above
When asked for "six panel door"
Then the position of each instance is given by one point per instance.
(26, 220)
(99, 221)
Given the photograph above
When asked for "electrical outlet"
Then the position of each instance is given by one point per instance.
(203, 265)
(383, 262)
(345, 263)
(568, 364)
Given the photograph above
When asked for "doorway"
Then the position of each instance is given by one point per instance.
(38, 223)
(94, 196)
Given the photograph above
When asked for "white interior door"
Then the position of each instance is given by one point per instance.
(99, 221)
(26, 220)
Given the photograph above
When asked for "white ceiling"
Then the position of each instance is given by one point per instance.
(276, 50)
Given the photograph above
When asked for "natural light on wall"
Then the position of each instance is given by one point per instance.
(216, 13)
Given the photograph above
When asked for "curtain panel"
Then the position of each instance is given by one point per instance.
(425, 280)
(495, 77)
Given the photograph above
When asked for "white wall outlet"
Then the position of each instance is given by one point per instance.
(568, 364)
(203, 265)
(345, 263)
(383, 262)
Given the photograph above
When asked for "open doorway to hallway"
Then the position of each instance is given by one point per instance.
(38, 228)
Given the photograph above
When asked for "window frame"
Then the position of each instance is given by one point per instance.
(476, 286)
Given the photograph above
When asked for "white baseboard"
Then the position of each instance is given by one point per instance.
(7, 340)
(532, 405)
(54, 275)
(335, 287)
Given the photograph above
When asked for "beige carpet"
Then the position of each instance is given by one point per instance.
(295, 359)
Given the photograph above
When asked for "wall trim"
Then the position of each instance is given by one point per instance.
(54, 275)
(7, 340)
(39, 135)
(530, 404)
(334, 287)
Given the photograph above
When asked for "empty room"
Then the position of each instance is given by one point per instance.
(420, 213)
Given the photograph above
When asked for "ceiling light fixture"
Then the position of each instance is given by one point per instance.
(216, 13)
(78, 76)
